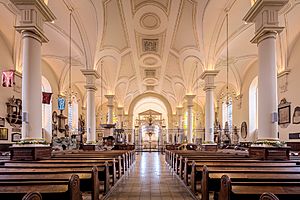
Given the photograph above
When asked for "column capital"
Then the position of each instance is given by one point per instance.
(264, 13)
(33, 15)
(120, 110)
(209, 77)
(179, 110)
(110, 99)
(190, 98)
(91, 76)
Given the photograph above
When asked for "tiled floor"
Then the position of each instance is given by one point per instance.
(150, 178)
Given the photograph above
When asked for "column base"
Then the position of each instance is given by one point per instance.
(108, 125)
(30, 152)
(269, 153)
(89, 147)
(209, 147)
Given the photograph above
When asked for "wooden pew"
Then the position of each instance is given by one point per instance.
(231, 162)
(103, 169)
(266, 179)
(63, 190)
(268, 196)
(89, 178)
(32, 196)
(252, 190)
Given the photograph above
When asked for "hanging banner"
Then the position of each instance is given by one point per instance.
(61, 103)
(46, 97)
(8, 78)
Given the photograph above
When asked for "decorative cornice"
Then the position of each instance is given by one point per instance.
(283, 73)
(90, 72)
(258, 7)
(34, 13)
(209, 73)
(190, 98)
(39, 4)
(264, 13)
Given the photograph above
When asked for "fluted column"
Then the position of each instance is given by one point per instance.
(34, 13)
(110, 107)
(91, 76)
(190, 104)
(264, 14)
(209, 76)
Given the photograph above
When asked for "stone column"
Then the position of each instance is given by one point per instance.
(209, 76)
(179, 110)
(264, 14)
(110, 106)
(91, 76)
(34, 13)
(120, 114)
(190, 104)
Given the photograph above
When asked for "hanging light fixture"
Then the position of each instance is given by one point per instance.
(227, 63)
(69, 93)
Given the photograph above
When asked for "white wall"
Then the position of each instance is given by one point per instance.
(293, 92)
(6, 63)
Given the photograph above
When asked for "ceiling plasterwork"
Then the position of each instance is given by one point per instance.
(114, 32)
(163, 4)
(160, 46)
(186, 31)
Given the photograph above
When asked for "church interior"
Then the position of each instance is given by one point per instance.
(149, 99)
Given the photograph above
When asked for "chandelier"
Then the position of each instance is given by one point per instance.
(69, 93)
(227, 100)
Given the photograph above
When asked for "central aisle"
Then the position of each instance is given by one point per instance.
(150, 178)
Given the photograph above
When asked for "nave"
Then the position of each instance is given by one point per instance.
(150, 178)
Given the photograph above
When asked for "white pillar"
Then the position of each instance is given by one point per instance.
(34, 13)
(120, 114)
(264, 14)
(91, 76)
(110, 107)
(190, 104)
(179, 110)
(267, 87)
(209, 77)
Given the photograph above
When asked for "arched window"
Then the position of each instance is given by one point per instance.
(47, 110)
(253, 105)
(73, 114)
(227, 112)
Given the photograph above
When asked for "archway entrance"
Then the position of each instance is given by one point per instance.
(150, 117)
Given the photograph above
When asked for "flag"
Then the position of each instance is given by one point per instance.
(8, 78)
(46, 97)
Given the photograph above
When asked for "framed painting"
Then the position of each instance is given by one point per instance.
(16, 137)
(3, 134)
(284, 115)
(296, 116)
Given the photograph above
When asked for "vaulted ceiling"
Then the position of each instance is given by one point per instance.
(161, 46)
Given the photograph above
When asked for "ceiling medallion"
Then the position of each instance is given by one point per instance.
(150, 61)
(150, 21)
(150, 81)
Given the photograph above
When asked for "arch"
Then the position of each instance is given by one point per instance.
(154, 95)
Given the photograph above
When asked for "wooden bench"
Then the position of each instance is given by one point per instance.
(63, 190)
(89, 179)
(252, 190)
(103, 168)
(32, 196)
(267, 177)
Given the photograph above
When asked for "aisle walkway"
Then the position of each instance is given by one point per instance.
(150, 178)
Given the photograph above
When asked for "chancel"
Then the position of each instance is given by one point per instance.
(149, 99)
